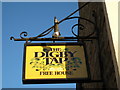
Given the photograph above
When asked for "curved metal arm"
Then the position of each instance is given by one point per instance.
(82, 19)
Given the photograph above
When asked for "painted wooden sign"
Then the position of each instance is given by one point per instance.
(61, 62)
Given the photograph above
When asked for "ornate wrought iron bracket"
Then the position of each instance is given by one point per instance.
(55, 28)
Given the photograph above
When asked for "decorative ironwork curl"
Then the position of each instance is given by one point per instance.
(24, 34)
(82, 27)
(12, 38)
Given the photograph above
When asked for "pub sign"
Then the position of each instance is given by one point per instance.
(54, 62)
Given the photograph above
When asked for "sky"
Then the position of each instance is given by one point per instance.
(33, 17)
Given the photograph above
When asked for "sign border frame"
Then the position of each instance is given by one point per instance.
(45, 81)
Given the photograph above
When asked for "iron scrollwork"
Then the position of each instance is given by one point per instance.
(46, 32)
(23, 33)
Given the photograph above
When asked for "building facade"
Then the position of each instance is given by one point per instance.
(100, 50)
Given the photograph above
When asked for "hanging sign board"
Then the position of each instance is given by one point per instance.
(50, 63)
